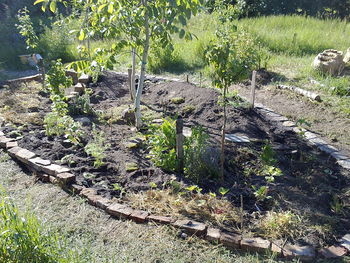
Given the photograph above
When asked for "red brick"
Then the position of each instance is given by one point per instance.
(161, 219)
(102, 203)
(119, 210)
(14, 150)
(231, 240)
(53, 180)
(256, 244)
(139, 216)
(191, 227)
(24, 155)
(333, 252)
(304, 253)
(10, 145)
(276, 247)
(76, 188)
(54, 169)
(86, 192)
(4, 140)
(66, 178)
(213, 234)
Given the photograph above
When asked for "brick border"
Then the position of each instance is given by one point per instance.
(62, 176)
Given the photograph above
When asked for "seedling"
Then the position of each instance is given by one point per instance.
(223, 191)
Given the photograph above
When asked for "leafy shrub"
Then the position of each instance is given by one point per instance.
(165, 59)
(56, 124)
(200, 162)
(57, 80)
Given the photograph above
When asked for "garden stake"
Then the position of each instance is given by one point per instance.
(130, 83)
(252, 98)
(180, 143)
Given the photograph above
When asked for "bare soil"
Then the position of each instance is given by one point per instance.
(310, 178)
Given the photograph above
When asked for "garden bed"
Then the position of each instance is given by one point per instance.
(308, 203)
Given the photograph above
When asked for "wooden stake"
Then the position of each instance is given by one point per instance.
(130, 83)
(180, 143)
(187, 79)
(252, 98)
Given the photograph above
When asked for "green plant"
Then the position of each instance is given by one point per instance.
(194, 188)
(223, 191)
(58, 125)
(271, 172)
(23, 239)
(26, 28)
(268, 155)
(97, 147)
(337, 206)
(57, 80)
(198, 163)
(261, 193)
(82, 106)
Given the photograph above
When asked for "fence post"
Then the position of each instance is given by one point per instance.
(252, 97)
(180, 143)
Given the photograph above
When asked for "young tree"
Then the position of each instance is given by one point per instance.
(231, 56)
(135, 23)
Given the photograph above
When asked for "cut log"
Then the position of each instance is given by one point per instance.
(306, 93)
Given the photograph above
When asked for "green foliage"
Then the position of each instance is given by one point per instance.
(261, 193)
(268, 155)
(197, 165)
(56, 124)
(57, 79)
(82, 106)
(97, 147)
(23, 239)
(223, 191)
(26, 29)
(165, 59)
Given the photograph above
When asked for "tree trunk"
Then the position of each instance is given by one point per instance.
(223, 134)
(143, 69)
(133, 73)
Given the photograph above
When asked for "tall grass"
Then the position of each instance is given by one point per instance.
(23, 239)
(298, 35)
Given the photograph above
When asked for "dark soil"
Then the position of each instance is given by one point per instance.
(310, 178)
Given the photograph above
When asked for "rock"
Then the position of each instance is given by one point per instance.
(84, 121)
(304, 253)
(345, 241)
(73, 74)
(128, 115)
(231, 240)
(84, 78)
(256, 244)
(161, 219)
(80, 88)
(333, 252)
(329, 61)
(213, 234)
(347, 56)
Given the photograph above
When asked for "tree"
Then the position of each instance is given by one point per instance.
(135, 23)
(231, 56)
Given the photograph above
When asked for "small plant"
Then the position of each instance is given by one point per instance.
(153, 185)
(58, 125)
(57, 79)
(337, 205)
(177, 100)
(97, 147)
(223, 191)
(261, 193)
(268, 155)
(26, 28)
(271, 172)
(194, 188)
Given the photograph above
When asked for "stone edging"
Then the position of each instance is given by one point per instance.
(62, 176)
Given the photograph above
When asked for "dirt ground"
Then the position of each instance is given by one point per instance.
(310, 181)
(328, 124)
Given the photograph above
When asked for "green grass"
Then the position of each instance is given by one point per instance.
(298, 35)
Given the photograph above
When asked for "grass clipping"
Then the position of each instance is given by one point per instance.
(200, 207)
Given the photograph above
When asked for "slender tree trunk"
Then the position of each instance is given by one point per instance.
(143, 69)
(223, 134)
(133, 73)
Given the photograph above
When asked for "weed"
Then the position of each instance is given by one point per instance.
(23, 239)
(268, 155)
(281, 225)
(261, 193)
(177, 100)
(97, 147)
(188, 109)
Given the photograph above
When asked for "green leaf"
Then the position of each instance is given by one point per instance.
(53, 6)
(110, 8)
(38, 1)
(81, 35)
(182, 33)
(182, 20)
(101, 7)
